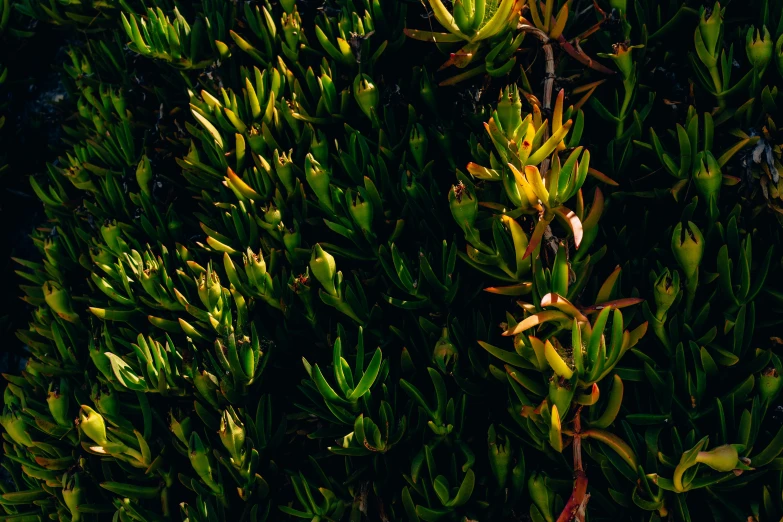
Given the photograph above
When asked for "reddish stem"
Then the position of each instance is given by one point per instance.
(574, 508)
(581, 57)
(577, 500)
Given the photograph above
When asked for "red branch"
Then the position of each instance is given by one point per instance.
(575, 507)
(577, 500)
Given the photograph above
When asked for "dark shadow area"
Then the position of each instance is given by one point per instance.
(32, 125)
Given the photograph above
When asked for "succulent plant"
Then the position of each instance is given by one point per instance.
(293, 266)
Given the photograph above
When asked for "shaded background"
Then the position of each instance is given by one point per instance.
(32, 124)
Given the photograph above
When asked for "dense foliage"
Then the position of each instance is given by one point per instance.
(393, 260)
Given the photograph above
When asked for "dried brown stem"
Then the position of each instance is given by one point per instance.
(549, 80)
(546, 46)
